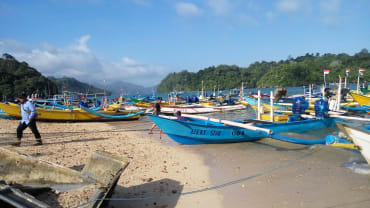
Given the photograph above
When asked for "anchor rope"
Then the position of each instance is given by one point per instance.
(262, 173)
(78, 134)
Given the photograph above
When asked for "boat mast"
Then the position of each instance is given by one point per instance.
(339, 92)
(242, 90)
(202, 93)
(358, 83)
(259, 105)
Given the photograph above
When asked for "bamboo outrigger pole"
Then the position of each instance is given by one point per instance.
(271, 106)
(259, 105)
(231, 123)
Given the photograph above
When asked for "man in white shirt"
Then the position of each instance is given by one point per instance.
(28, 113)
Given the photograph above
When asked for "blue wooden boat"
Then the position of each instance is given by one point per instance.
(197, 131)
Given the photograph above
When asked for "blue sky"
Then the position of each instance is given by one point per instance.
(141, 41)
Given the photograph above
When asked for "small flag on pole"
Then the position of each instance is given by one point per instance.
(361, 71)
(326, 71)
(347, 72)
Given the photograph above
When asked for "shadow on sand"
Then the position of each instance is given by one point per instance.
(163, 193)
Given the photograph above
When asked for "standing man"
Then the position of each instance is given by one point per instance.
(156, 111)
(28, 113)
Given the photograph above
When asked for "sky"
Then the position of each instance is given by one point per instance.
(141, 41)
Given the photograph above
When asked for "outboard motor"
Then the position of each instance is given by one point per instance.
(230, 102)
(82, 103)
(299, 105)
(321, 108)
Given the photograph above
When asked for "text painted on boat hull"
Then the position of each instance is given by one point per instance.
(205, 132)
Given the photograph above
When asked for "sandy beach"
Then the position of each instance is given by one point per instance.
(156, 169)
(265, 173)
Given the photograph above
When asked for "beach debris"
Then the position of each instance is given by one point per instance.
(16, 198)
(21, 172)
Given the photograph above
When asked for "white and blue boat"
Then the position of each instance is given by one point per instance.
(203, 130)
(359, 135)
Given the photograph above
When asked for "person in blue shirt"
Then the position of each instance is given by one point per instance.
(28, 113)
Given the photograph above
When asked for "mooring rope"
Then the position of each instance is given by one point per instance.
(265, 172)
(74, 134)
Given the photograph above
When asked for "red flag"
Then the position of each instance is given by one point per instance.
(326, 71)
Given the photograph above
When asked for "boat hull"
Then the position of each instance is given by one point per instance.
(195, 131)
(361, 99)
(64, 114)
(360, 137)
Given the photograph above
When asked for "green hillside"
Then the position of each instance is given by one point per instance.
(302, 70)
(17, 77)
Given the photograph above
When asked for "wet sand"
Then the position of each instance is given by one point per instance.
(317, 180)
(159, 167)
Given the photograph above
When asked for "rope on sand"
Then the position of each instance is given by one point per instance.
(73, 134)
(265, 172)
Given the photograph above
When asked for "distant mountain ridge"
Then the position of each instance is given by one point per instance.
(118, 87)
(73, 85)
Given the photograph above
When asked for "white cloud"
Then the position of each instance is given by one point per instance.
(187, 9)
(330, 11)
(292, 6)
(220, 7)
(144, 3)
(331, 6)
(288, 5)
(78, 61)
(82, 44)
(270, 15)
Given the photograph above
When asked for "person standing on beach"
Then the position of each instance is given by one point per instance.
(156, 111)
(28, 113)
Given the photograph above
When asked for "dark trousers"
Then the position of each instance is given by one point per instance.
(33, 127)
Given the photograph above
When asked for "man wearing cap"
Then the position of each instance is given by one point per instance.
(28, 113)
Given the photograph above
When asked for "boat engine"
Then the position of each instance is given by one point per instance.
(321, 108)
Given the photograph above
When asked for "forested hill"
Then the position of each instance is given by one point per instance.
(17, 77)
(73, 85)
(299, 71)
